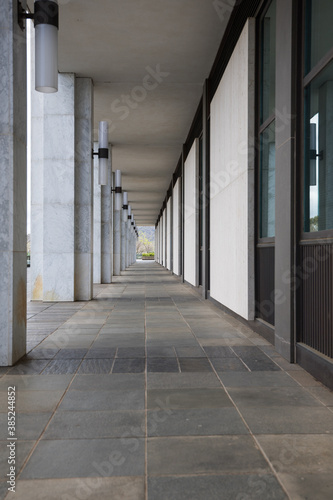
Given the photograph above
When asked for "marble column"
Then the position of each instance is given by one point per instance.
(83, 269)
(61, 212)
(97, 276)
(106, 227)
(13, 187)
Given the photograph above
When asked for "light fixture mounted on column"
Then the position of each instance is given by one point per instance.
(103, 154)
(117, 190)
(125, 200)
(46, 20)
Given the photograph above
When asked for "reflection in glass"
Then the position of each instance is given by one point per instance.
(319, 33)
(268, 42)
(267, 182)
(318, 173)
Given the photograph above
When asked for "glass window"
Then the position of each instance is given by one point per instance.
(318, 32)
(267, 182)
(268, 42)
(318, 174)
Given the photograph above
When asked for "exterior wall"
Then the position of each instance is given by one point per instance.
(175, 227)
(169, 236)
(191, 215)
(164, 239)
(232, 181)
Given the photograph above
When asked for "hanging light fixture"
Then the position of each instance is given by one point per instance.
(103, 154)
(125, 200)
(46, 20)
(118, 190)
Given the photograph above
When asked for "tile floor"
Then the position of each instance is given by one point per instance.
(148, 392)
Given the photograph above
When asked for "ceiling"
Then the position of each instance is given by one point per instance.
(121, 45)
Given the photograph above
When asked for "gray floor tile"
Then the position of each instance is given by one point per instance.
(104, 400)
(194, 365)
(36, 382)
(195, 422)
(159, 365)
(95, 366)
(131, 352)
(266, 397)
(204, 455)
(187, 398)
(3, 489)
(229, 365)
(126, 365)
(71, 354)
(235, 487)
(29, 426)
(219, 352)
(62, 366)
(255, 379)
(28, 367)
(122, 488)
(308, 486)
(299, 454)
(95, 424)
(33, 401)
(289, 420)
(86, 458)
(101, 353)
(21, 450)
(161, 352)
(182, 380)
(115, 381)
(42, 353)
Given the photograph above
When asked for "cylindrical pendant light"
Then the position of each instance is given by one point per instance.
(118, 190)
(125, 200)
(103, 154)
(46, 19)
(129, 213)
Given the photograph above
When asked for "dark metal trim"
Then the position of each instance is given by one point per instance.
(125, 207)
(318, 68)
(195, 130)
(46, 12)
(118, 190)
(129, 217)
(103, 153)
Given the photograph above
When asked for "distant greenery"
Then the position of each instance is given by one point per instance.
(146, 240)
(150, 254)
(314, 224)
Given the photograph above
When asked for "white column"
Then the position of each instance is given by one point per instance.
(59, 192)
(83, 277)
(106, 227)
(13, 187)
(97, 275)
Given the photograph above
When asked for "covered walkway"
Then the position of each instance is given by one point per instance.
(147, 391)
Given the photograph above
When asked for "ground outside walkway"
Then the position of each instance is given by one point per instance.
(149, 392)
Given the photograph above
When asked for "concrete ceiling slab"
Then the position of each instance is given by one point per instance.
(148, 60)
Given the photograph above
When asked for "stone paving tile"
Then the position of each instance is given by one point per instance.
(86, 458)
(28, 367)
(29, 425)
(187, 398)
(100, 400)
(127, 365)
(213, 487)
(71, 354)
(131, 352)
(159, 365)
(95, 424)
(229, 365)
(195, 422)
(96, 366)
(204, 455)
(62, 367)
(122, 488)
(194, 365)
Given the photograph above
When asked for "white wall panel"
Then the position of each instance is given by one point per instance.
(175, 227)
(232, 181)
(168, 235)
(191, 215)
